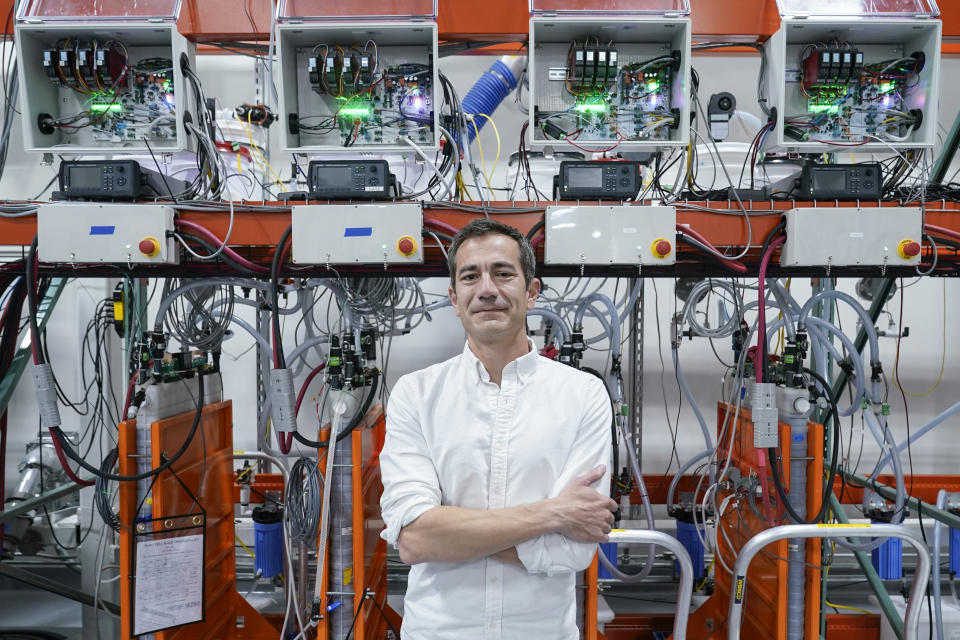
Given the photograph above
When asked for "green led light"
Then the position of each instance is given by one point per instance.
(356, 112)
(653, 86)
(100, 108)
(824, 108)
(599, 107)
(886, 87)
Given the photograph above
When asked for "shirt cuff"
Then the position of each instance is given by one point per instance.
(552, 554)
(408, 514)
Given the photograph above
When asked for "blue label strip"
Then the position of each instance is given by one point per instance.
(358, 232)
(103, 230)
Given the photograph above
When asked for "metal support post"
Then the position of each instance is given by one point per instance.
(635, 363)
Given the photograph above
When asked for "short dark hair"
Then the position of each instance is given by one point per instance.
(482, 227)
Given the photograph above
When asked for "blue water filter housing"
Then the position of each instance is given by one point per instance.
(888, 558)
(690, 539)
(267, 542)
(955, 551)
(608, 549)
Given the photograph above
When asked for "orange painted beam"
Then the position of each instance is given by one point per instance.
(263, 229)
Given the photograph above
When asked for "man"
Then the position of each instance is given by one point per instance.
(495, 464)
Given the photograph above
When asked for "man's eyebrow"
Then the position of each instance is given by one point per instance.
(468, 267)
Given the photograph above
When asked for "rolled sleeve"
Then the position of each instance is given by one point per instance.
(410, 483)
(555, 553)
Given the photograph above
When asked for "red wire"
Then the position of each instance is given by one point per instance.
(66, 465)
(440, 225)
(209, 235)
(761, 306)
(736, 265)
(129, 398)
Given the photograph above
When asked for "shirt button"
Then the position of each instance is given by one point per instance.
(493, 625)
(494, 580)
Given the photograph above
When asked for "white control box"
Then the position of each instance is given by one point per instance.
(610, 235)
(113, 233)
(852, 236)
(387, 233)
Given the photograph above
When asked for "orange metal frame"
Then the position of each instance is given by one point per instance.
(503, 20)
(766, 604)
(210, 460)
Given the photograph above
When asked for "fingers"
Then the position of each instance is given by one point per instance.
(592, 476)
(612, 505)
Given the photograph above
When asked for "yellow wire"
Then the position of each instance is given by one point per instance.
(496, 132)
(263, 160)
(483, 164)
(706, 577)
(843, 606)
(245, 547)
(943, 355)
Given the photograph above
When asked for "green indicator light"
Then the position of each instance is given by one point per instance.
(357, 112)
(593, 106)
(824, 108)
(100, 108)
(653, 86)
(886, 87)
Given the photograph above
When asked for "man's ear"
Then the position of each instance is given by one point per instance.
(533, 292)
(453, 300)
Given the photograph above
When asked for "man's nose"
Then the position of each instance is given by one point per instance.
(487, 287)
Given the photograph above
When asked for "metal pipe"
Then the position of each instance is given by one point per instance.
(888, 493)
(755, 544)
(685, 591)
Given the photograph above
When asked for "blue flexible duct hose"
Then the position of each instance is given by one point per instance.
(486, 95)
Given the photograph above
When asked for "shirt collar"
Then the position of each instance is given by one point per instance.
(525, 365)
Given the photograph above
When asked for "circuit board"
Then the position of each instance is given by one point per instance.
(856, 104)
(358, 99)
(144, 108)
(115, 98)
(608, 95)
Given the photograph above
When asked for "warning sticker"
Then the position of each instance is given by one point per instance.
(738, 589)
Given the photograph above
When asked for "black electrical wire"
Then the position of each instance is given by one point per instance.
(99, 473)
(776, 466)
(313, 444)
(279, 360)
(210, 247)
(533, 232)
(101, 495)
(613, 429)
(696, 244)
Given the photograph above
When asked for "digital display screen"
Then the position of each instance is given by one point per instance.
(585, 177)
(333, 177)
(84, 177)
(829, 180)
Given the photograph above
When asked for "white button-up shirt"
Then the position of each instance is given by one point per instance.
(456, 438)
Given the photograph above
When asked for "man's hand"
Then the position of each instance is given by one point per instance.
(584, 514)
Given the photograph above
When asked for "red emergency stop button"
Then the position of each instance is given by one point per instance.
(908, 249)
(406, 246)
(661, 248)
(149, 247)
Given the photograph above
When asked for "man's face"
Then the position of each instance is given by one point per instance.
(491, 298)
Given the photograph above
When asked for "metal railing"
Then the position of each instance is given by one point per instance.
(755, 544)
(685, 591)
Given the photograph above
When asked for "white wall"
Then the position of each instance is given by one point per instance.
(231, 79)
